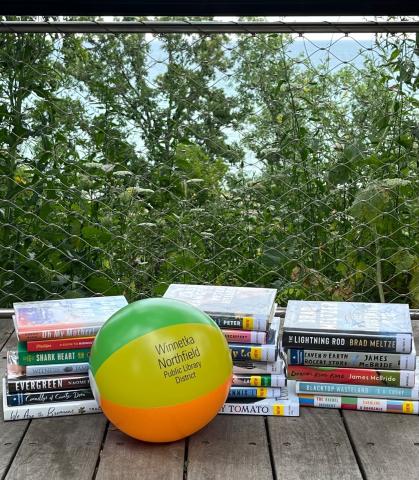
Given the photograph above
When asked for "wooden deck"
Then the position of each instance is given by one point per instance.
(320, 444)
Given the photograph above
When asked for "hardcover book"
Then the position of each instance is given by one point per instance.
(335, 358)
(358, 403)
(51, 356)
(253, 392)
(245, 308)
(356, 376)
(285, 405)
(14, 370)
(32, 398)
(43, 410)
(249, 367)
(269, 380)
(59, 344)
(76, 317)
(376, 327)
(47, 383)
(244, 336)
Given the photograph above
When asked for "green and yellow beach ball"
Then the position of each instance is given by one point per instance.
(160, 369)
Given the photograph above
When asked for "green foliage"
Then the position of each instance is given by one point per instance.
(128, 163)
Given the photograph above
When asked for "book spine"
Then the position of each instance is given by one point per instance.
(28, 412)
(239, 323)
(254, 392)
(258, 368)
(357, 390)
(323, 358)
(58, 369)
(18, 399)
(259, 353)
(258, 380)
(357, 403)
(357, 376)
(29, 335)
(59, 344)
(281, 409)
(42, 384)
(52, 357)
(244, 336)
(400, 343)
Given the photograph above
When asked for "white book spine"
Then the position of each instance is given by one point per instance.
(407, 378)
(245, 380)
(62, 368)
(281, 408)
(403, 342)
(258, 368)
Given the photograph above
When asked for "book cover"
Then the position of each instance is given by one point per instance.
(286, 405)
(14, 370)
(357, 376)
(47, 383)
(43, 410)
(17, 399)
(357, 403)
(267, 352)
(246, 308)
(244, 336)
(253, 392)
(249, 367)
(269, 380)
(348, 317)
(59, 344)
(401, 343)
(75, 317)
(51, 356)
(335, 358)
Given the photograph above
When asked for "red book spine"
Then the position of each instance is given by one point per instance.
(356, 376)
(57, 333)
(59, 344)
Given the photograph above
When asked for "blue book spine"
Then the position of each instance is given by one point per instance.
(357, 390)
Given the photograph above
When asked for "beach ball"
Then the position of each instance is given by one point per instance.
(160, 369)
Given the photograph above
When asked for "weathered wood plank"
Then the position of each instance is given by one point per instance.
(126, 458)
(59, 448)
(314, 445)
(6, 329)
(230, 447)
(387, 445)
(11, 433)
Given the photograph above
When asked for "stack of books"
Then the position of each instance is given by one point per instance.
(47, 375)
(356, 356)
(246, 316)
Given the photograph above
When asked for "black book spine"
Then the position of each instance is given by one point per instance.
(18, 399)
(333, 341)
(48, 383)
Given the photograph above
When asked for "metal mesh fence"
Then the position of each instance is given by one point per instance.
(131, 161)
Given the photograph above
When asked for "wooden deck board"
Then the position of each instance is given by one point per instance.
(230, 447)
(387, 445)
(125, 458)
(59, 448)
(314, 445)
(11, 433)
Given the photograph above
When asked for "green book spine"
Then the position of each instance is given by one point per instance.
(52, 356)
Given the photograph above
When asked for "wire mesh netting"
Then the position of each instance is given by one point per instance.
(131, 161)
